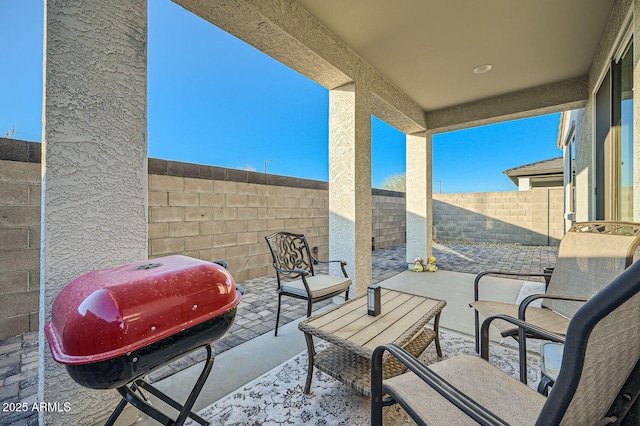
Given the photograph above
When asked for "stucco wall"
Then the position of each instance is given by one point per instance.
(526, 217)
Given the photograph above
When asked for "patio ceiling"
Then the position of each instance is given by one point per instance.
(429, 48)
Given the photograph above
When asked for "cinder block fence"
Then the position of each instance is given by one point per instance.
(519, 217)
(215, 213)
(200, 211)
(19, 238)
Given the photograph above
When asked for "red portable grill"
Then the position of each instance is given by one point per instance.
(113, 326)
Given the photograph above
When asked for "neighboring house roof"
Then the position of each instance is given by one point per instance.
(552, 167)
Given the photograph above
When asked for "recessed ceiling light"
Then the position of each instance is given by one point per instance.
(481, 69)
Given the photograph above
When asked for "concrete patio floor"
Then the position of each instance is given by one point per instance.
(252, 332)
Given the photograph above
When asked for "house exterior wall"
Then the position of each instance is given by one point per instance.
(584, 118)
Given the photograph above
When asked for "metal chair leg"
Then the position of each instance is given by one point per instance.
(436, 328)
(543, 386)
(278, 314)
(477, 320)
(522, 354)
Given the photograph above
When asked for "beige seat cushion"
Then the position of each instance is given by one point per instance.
(541, 317)
(506, 397)
(319, 285)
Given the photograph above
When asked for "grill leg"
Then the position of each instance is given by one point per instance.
(185, 410)
(116, 413)
(131, 398)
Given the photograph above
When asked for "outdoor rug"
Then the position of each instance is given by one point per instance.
(277, 397)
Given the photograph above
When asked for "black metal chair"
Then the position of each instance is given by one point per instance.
(598, 383)
(293, 263)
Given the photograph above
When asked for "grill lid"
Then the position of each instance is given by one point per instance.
(111, 312)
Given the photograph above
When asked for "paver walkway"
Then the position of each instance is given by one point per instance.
(257, 312)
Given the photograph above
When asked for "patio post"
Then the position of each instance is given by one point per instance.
(419, 196)
(350, 182)
(94, 168)
(636, 113)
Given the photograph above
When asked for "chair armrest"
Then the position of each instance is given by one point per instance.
(527, 300)
(484, 341)
(476, 282)
(342, 264)
(463, 402)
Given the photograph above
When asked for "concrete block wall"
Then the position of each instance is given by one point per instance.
(213, 213)
(389, 218)
(19, 239)
(201, 211)
(525, 217)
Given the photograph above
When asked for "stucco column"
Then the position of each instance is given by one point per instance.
(419, 196)
(350, 182)
(636, 112)
(94, 166)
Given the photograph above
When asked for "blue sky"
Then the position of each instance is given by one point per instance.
(215, 100)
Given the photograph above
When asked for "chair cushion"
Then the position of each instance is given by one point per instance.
(489, 386)
(319, 285)
(542, 317)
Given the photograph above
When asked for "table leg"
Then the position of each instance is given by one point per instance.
(311, 350)
(436, 328)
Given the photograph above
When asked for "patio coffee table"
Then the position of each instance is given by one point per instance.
(354, 335)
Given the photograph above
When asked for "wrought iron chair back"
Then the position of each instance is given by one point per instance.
(296, 278)
(290, 252)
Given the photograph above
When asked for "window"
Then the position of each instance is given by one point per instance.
(622, 113)
(614, 140)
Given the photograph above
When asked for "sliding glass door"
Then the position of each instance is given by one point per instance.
(614, 141)
(623, 125)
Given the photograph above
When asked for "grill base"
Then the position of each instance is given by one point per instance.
(117, 372)
(129, 397)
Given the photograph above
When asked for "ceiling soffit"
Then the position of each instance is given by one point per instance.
(428, 49)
